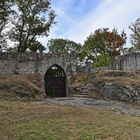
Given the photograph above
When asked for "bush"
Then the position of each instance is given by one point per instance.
(103, 60)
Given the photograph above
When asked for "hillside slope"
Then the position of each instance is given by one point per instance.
(114, 85)
(18, 86)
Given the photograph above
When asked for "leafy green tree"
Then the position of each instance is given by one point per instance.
(6, 14)
(103, 42)
(128, 50)
(135, 36)
(11, 50)
(63, 46)
(36, 47)
(34, 19)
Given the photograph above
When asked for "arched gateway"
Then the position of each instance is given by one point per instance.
(59, 68)
(55, 82)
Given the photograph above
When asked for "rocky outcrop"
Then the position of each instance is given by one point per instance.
(116, 91)
(114, 85)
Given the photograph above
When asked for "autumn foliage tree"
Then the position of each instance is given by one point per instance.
(103, 41)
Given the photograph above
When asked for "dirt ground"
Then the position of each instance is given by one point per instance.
(118, 107)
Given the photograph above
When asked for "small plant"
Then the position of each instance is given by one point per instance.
(88, 137)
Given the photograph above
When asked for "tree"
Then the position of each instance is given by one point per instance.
(5, 11)
(6, 14)
(63, 46)
(103, 41)
(135, 36)
(36, 47)
(34, 19)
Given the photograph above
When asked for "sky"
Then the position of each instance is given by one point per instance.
(77, 19)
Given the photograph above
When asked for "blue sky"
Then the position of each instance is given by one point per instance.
(69, 12)
(76, 19)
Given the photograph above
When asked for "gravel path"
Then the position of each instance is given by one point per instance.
(87, 102)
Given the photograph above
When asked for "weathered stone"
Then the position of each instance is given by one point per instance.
(25, 63)
(129, 62)
(34, 63)
(112, 89)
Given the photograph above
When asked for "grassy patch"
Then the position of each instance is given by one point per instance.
(31, 121)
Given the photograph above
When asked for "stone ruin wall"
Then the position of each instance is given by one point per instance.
(128, 62)
(39, 63)
(32, 63)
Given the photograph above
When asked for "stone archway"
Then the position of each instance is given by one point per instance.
(55, 82)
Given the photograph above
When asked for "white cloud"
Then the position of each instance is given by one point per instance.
(109, 13)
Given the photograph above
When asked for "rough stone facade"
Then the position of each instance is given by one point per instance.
(128, 62)
(110, 90)
(34, 63)
(114, 85)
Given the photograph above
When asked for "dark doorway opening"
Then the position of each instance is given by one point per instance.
(55, 82)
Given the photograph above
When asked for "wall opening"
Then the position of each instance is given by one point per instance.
(55, 82)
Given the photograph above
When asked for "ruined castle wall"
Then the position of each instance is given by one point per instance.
(128, 62)
(26, 63)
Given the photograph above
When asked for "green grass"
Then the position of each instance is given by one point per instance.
(29, 121)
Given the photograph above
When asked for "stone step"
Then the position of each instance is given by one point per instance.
(79, 95)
